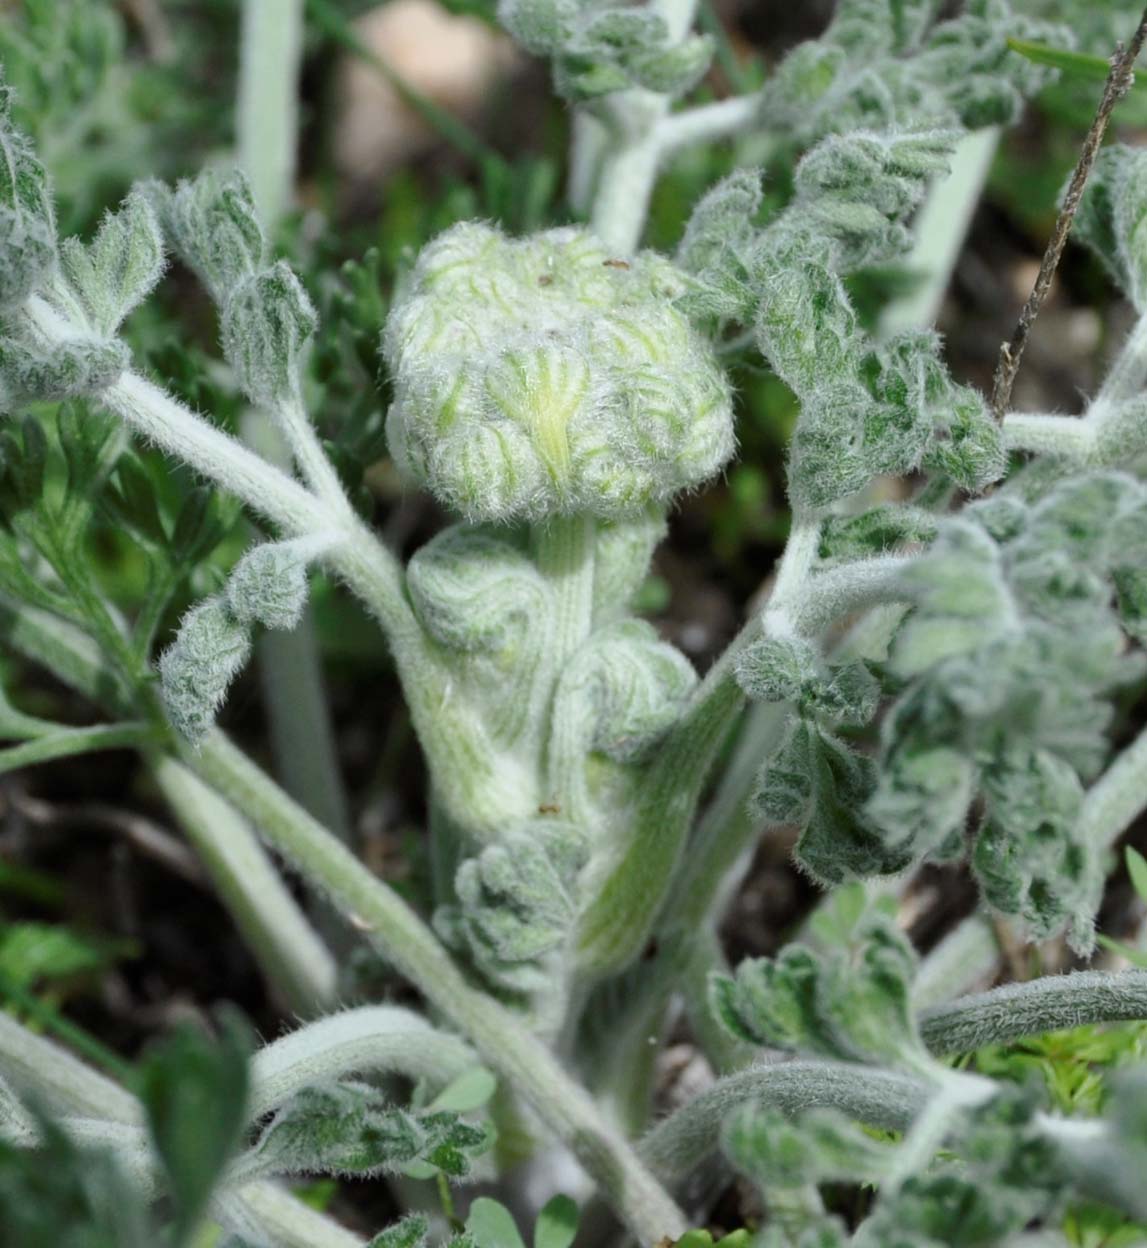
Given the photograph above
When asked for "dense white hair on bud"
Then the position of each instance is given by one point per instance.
(541, 377)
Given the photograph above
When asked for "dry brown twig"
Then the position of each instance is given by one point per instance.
(1119, 81)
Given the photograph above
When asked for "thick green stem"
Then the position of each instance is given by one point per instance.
(564, 552)
(287, 949)
(618, 921)
(416, 953)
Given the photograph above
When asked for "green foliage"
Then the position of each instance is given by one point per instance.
(1009, 654)
(49, 953)
(61, 1195)
(1137, 870)
(194, 1089)
(515, 909)
(598, 50)
(851, 1005)
(27, 221)
(887, 63)
(117, 270)
(351, 1129)
(1111, 216)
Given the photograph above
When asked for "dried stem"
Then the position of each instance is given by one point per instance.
(1119, 82)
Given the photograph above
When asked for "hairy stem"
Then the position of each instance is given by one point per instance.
(416, 953)
(708, 123)
(1053, 1003)
(291, 955)
(163, 421)
(481, 787)
(793, 573)
(879, 1098)
(628, 174)
(1118, 797)
(281, 938)
(633, 157)
(850, 588)
(1069, 437)
(564, 552)
(377, 1039)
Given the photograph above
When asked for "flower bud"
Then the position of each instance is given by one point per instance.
(540, 377)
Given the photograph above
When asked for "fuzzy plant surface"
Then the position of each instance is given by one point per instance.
(943, 670)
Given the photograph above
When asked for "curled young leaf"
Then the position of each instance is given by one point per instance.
(269, 584)
(197, 669)
(268, 323)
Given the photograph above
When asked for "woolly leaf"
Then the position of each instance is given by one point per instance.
(625, 688)
(411, 1232)
(1112, 218)
(623, 550)
(823, 1147)
(198, 667)
(73, 367)
(516, 906)
(115, 272)
(212, 225)
(539, 377)
(542, 27)
(815, 781)
(843, 1005)
(269, 585)
(783, 669)
(268, 322)
(475, 590)
(27, 222)
(348, 1128)
(194, 1090)
(888, 63)
(717, 246)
